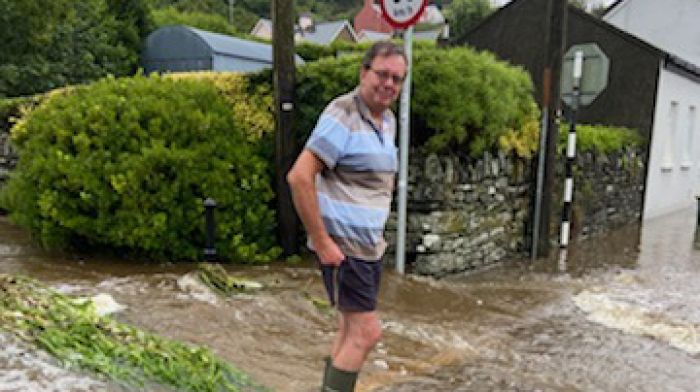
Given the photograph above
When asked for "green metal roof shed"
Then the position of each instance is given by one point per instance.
(183, 48)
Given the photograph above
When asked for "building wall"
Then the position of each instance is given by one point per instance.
(345, 36)
(262, 30)
(370, 19)
(237, 64)
(516, 34)
(628, 99)
(670, 25)
(674, 167)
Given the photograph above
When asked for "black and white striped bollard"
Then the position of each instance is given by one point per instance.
(570, 157)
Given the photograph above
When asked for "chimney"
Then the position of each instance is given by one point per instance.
(306, 23)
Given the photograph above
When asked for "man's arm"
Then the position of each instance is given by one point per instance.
(302, 182)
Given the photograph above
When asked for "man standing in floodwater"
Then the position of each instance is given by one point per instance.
(342, 185)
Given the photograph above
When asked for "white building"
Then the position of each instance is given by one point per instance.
(673, 179)
(306, 30)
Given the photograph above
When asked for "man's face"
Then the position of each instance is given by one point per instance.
(380, 84)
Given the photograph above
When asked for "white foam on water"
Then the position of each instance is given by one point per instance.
(25, 369)
(429, 335)
(196, 289)
(602, 308)
(105, 304)
(66, 288)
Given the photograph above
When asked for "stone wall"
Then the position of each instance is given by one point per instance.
(609, 191)
(8, 157)
(466, 213)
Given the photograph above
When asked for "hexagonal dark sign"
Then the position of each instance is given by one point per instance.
(594, 76)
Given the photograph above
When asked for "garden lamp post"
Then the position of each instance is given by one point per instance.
(209, 248)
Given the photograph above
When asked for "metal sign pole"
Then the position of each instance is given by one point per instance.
(230, 11)
(539, 184)
(404, 136)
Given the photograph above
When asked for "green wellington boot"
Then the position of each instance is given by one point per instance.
(336, 380)
(328, 361)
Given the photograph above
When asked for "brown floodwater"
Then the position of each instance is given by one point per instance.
(620, 313)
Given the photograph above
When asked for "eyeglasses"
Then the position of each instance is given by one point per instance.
(384, 75)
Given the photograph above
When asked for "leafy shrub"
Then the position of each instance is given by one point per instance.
(600, 138)
(313, 52)
(317, 84)
(200, 20)
(460, 99)
(252, 104)
(127, 163)
(523, 141)
(470, 99)
(12, 109)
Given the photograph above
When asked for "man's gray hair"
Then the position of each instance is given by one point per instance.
(382, 49)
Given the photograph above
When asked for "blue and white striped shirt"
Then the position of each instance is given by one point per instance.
(355, 188)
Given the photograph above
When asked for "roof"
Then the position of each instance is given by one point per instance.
(611, 6)
(677, 63)
(583, 14)
(325, 33)
(674, 29)
(373, 36)
(262, 23)
(428, 35)
(232, 46)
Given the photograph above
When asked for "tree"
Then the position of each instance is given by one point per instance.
(67, 42)
(201, 20)
(210, 15)
(463, 15)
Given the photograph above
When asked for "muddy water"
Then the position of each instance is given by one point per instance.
(617, 315)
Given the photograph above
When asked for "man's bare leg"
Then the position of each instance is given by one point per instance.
(362, 333)
(340, 336)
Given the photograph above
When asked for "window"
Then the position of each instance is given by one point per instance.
(669, 137)
(688, 147)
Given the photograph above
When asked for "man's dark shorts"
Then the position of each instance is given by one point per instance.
(356, 283)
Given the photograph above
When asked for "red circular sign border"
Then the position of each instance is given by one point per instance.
(407, 23)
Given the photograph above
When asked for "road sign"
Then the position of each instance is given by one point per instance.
(402, 13)
(594, 76)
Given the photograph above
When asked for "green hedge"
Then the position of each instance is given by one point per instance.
(461, 99)
(600, 138)
(313, 52)
(13, 109)
(127, 163)
(66, 42)
(468, 99)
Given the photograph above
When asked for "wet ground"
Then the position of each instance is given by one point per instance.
(619, 314)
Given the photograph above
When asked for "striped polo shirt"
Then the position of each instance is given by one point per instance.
(355, 187)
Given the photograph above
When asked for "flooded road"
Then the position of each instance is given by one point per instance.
(617, 315)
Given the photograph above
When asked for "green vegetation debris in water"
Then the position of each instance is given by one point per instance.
(215, 277)
(75, 334)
